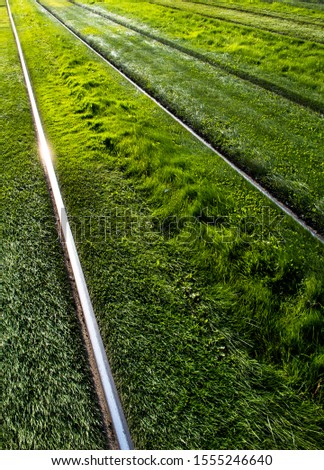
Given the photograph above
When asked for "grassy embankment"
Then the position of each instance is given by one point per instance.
(48, 398)
(213, 330)
(276, 141)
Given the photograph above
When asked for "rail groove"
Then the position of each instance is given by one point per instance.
(258, 81)
(248, 178)
(111, 395)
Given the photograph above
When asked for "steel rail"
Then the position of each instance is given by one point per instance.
(248, 178)
(111, 395)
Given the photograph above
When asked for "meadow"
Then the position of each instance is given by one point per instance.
(209, 299)
(276, 141)
(48, 397)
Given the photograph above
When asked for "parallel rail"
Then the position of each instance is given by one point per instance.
(241, 23)
(242, 74)
(248, 178)
(111, 395)
(223, 6)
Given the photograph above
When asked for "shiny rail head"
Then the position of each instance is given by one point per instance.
(111, 395)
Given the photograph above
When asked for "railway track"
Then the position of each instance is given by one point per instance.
(247, 177)
(241, 23)
(266, 85)
(72, 49)
(102, 368)
(256, 13)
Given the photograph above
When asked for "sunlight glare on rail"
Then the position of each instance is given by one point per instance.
(111, 395)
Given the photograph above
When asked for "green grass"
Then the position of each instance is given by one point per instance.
(276, 141)
(213, 331)
(304, 12)
(257, 54)
(48, 399)
(291, 8)
(278, 25)
(267, 60)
